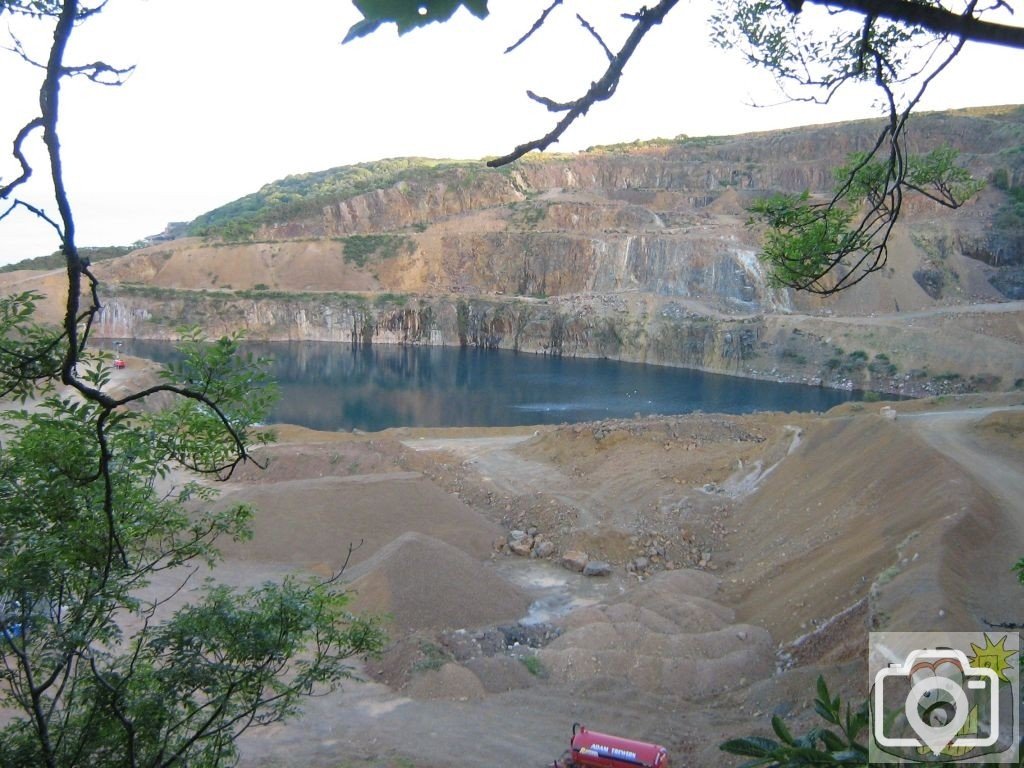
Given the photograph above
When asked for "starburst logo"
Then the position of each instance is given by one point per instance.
(994, 656)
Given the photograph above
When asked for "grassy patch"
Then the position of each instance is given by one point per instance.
(358, 249)
(534, 666)
(434, 657)
(307, 194)
(384, 299)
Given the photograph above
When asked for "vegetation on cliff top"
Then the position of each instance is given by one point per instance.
(56, 259)
(295, 196)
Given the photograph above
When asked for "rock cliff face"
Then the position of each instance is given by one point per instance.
(637, 328)
(640, 252)
(665, 217)
(959, 351)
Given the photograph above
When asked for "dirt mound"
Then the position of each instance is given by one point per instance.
(312, 522)
(342, 457)
(665, 636)
(423, 583)
(1002, 433)
(813, 530)
(452, 681)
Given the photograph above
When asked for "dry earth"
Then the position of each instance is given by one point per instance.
(747, 555)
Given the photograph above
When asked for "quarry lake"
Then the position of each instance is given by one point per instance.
(329, 386)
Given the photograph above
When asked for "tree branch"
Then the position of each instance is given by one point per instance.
(603, 89)
(536, 25)
(593, 32)
(26, 168)
(935, 19)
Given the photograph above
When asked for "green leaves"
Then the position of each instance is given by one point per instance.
(29, 353)
(804, 241)
(98, 677)
(225, 394)
(819, 746)
(826, 246)
(937, 176)
(222, 660)
(408, 14)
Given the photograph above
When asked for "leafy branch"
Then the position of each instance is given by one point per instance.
(819, 746)
(825, 247)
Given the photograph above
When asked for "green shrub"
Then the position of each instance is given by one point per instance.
(434, 657)
(383, 299)
(534, 665)
(359, 249)
(882, 366)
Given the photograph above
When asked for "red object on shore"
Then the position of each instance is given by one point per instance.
(601, 750)
(119, 363)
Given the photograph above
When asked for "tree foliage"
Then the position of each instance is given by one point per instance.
(408, 16)
(826, 246)
(103, 522)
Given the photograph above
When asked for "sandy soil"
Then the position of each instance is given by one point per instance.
(768, 546)
(746, 555)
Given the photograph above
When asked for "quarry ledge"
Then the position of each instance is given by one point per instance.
(636, 328)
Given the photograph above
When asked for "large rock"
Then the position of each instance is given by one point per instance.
(597, 568)
(575, 560)
(544, 548)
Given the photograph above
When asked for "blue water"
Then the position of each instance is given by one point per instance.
(336, 386)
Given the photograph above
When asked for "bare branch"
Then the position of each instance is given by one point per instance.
(18, 49)
(551, 104)
(36, 211)
(19, 154)
(589, 27)
(101, 73)
(603, 89)
(536, 25)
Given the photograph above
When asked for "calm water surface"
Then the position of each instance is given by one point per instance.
(336, 386)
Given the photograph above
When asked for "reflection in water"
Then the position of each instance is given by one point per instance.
(338, 386)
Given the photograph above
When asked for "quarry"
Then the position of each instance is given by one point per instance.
(679, 579)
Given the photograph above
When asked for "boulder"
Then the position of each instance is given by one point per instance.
(544, 548)
(521, 547)
(575, 560)
(597, 568)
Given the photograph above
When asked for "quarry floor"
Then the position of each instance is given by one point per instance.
(770, 546)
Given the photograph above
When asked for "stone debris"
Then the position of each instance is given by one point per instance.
(574, 560)
(543, 548)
